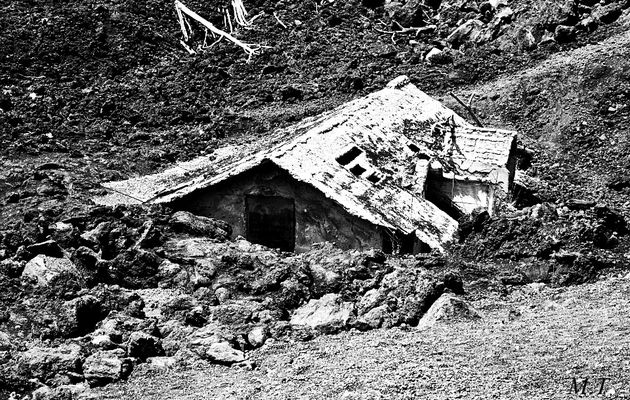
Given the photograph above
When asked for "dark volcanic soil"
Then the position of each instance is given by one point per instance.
(105, 86)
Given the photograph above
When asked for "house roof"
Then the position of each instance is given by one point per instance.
(358, 155)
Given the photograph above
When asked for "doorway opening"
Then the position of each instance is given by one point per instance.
(270, 221)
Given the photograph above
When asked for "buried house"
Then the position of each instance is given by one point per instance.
(392, 170)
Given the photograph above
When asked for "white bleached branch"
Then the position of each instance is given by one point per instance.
(240, 13)
(250, 49)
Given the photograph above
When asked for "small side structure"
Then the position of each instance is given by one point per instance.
(392, 170)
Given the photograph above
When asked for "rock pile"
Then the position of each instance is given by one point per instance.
(144, 286)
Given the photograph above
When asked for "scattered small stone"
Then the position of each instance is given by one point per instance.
(257, 336)
(589, 24)
(13, 197)
(5, 342)
(526, 39)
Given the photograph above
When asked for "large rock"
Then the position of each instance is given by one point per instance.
(373, 319)
(103, 342)
(324, 280)
(94, 237)
(200, 226)
(79, 316)
(44, 269)
(468, 31)
(133, 268)
(411, 292)
(143, 345)
(257, 336)
(104, 367)
(327, 314)
(412, 13)
(48, 248)
(221, 353)
(208, 335)
(448, 308)
(45, 363)
(175, 336)
(63, 392)
(119, 326)
(200, 274)
(437, 56)
(564, 34)
(556, 13)
(372, 298)
(234, 312)
(172, 275)
(212, 342)
(164, 304)
(608, 13)
(162, 362)
(525, 39)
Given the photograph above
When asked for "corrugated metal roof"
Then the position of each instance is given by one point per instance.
(357, 155)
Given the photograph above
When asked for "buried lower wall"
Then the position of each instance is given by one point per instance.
(317, 219)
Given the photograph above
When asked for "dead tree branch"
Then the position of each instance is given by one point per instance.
(416, 30)
(468, 109)
(279, 21)
(250, 49)
(240, 13)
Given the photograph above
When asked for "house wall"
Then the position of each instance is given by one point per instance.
(317, 218)
(465, 195)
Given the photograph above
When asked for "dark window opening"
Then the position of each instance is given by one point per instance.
(373, 177)
(271, 221)
(388, 243)
(397, 243)
(348, 156)
(357, 170)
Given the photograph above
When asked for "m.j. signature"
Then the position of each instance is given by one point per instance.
(586, 386)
